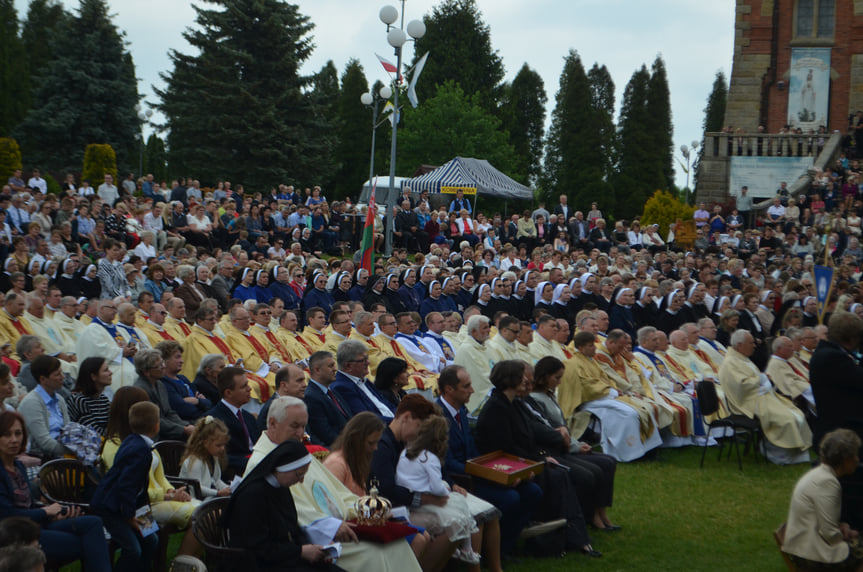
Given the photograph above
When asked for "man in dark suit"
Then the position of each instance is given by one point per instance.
(124, 489)
(243, 431)
(351, 383)
(562, 210)
(328, 412)
(150, 368)
(290, 381)
(835, 375)
(222, 284)
(516, 504)
(579, 232)
(601, 237)
(408, 227)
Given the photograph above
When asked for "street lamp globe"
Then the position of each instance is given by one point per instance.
(695, 144)
(396, 37)
(684, 150)
(366, 98)
(388, 15)
(386, 92)
(416, 29)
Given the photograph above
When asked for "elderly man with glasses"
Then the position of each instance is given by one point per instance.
(353, 386)
(102, 338)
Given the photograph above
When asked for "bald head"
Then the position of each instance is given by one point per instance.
(679, 340)
(126, 314)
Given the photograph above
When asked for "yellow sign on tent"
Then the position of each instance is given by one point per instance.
(454, 190)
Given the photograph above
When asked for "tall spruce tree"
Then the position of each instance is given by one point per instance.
(639, 173)
(523, 115)
(354, 132)
(575, 159)
(602, 101)
(460, 50)
(98, 103)
(714, 115)
(239, 108)
(44, 18)
(659, 116)
(14, 74)
(156, 158)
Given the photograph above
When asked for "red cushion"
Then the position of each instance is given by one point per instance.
(392, 530)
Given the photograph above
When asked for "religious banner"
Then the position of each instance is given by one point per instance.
(823, 288)
(454, 190)
(809, 88)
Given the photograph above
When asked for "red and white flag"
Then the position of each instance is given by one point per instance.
(388, 65)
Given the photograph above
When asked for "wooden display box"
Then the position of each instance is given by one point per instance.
(503, 468)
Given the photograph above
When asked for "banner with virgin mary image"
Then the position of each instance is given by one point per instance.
(809, 88)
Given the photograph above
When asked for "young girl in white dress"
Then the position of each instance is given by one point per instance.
(204, 456)
(419, 469)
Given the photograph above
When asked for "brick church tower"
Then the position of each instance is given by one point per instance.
(796, 62)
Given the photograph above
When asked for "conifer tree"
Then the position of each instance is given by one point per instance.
(155, 158)
(714, 116)
(460, 50)
(98, 99)
(523, 115)
(659, 117)
(239, 108)
(14, 84)
(575, 160)
(354, 132)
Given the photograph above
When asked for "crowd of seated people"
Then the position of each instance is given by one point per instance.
(232, 315)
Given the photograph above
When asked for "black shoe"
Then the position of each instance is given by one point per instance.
(589, 551)
(610, 528)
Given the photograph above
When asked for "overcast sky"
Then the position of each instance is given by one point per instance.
(694, 37)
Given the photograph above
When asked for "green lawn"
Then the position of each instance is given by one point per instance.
(676, 516)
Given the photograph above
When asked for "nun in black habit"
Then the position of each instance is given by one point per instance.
(262, 517)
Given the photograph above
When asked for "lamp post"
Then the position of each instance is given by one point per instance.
(372, 100)
(688, 153)
(396, 37)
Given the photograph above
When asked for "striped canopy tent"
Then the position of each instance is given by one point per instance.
(470, 173)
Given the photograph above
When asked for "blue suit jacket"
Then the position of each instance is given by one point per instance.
(325, 420)
(461, 445)
(238, 450)
(124, 488)
(356, 399)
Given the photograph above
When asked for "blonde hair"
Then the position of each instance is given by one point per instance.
(205, 429)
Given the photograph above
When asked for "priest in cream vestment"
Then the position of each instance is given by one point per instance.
(627, 429)
(474, 355)
(750, 393)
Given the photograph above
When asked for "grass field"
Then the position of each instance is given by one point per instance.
(676, 516)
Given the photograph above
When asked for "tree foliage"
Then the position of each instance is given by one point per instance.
(452, 124)
(354, 132)
(10, 158)
(659, 118)
(14, 74)
(663, 208)
(639, 173)
(99, 159)
(523, 114)
(576, 159)
(44, 21)
(239, 108)
(155, 158)
(96, 98)
(460, 50)
(714, 115)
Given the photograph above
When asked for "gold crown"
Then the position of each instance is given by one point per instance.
(373, 510)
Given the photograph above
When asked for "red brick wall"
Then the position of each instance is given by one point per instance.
(848, 40)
